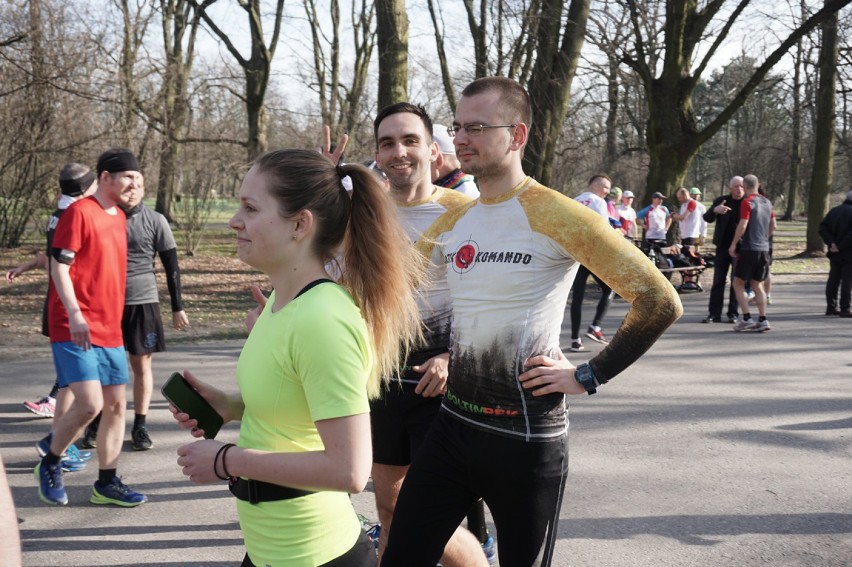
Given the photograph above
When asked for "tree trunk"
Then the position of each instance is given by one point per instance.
(823, 170)
(178, 21)
(550, 85)
(796, 142)
(392, 43)
(446, 79)
(256, 69)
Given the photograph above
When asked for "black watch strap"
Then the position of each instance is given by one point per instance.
(586, 377)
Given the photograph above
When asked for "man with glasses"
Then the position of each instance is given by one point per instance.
(510, 259)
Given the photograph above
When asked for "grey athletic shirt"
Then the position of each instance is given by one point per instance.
(148, 233)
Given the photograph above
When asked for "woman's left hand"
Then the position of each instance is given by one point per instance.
(196, 460)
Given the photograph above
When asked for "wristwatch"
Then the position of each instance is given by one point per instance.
(586, 377)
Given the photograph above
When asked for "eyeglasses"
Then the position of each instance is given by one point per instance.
(474, 130)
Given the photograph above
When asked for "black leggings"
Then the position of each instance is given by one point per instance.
(362, 554)
(521, 483)
(578, 292)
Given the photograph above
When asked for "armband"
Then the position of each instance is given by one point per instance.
(63, 256)
(586, 377)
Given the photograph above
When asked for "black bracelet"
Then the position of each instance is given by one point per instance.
(221, 450)
(228, 475)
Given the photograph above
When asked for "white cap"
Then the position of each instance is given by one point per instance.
(440, 136)
(627, 194)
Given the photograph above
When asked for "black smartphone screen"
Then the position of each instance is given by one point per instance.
(186, 399)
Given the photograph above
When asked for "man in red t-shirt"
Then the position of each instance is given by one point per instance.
(85, 306)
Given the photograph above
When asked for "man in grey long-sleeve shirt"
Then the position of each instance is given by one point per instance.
(148, 235)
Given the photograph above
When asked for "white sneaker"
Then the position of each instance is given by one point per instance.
(743, 325)
(762, 326)
(577, 346)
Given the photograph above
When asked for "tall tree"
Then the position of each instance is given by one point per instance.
(135, 22)
(392, 42)
(673, 135)
(446, 78)
(341, 103)
(256, 67)
(27, 117)
(796, 134)
(550, 82)
(823, 170)
(179, 26)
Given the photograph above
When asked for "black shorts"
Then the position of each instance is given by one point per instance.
(752, 265)
(142, 329)
(688, 241)
(400, 420)
(522, 483)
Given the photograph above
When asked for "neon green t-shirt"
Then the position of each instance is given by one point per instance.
(308, 362)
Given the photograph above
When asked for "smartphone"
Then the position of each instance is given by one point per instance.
(187, 400)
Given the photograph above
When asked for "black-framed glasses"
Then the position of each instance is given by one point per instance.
(474, 130)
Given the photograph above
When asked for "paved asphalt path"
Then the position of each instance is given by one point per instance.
(716, 448)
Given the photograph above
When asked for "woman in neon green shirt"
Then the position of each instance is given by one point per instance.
(314, 354)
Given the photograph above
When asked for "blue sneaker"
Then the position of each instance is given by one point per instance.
(76, 453)
(116, 492)
(72, 461)
(490, 551)
(374, 533)
(50, 487)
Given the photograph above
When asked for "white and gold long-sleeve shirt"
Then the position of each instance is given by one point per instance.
(510, 263)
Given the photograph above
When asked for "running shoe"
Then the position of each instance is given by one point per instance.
(762, 326)
(374, 533)
(141, 441)
(597, 335)
(577, 346)
(845, 314)
(116, 492)
(45, 407)
(769, 299)
(733, 319)
(72, 461)
(490, 551)
(76, 453)
(89, 440)
(711, 319)
(50, 488)
(745, 325)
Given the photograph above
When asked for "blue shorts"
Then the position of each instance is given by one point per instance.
(73, 364)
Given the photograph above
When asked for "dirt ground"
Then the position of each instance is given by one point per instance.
(215, 289)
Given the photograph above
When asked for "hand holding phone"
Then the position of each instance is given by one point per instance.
(187, 400)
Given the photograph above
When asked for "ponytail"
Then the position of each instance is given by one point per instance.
(380, 267)
(381, 272)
